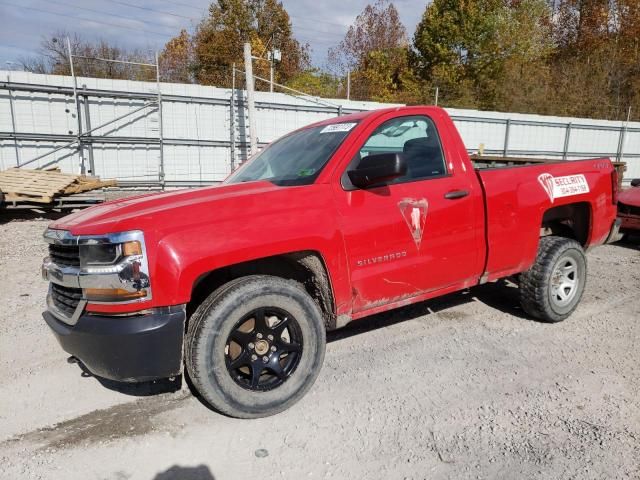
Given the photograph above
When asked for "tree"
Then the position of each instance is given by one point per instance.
(465, 47)
(596, 66)
(219, 39)
(54, 59)
(176, 59)
(376, 52)
(318, 83)
(377, 28)
(386, 76)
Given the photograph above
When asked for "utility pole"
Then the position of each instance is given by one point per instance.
(437, 92)
(251, 105)
(271, 75)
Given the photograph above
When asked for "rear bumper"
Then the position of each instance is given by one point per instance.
(126, 349)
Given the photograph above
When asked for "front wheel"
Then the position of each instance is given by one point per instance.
(552, 288)
(255, 346)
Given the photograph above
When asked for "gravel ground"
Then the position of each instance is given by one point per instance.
(462, 387)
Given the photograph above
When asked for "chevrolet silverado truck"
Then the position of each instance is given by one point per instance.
(237, 284)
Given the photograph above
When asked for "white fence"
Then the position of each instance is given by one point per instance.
(117, 126)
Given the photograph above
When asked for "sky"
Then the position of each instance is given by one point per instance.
(148, 24)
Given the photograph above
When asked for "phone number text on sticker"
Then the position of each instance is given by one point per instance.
(557, 187)
(338, 127)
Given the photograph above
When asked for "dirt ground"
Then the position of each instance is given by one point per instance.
(462, 387)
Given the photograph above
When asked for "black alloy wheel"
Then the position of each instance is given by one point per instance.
(264, 349)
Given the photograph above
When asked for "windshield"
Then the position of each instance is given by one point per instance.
(296, 159)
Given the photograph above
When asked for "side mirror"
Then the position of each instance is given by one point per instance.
(378, 168)
(635, 182)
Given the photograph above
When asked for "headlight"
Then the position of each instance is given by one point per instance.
(114, 268)
(100, 254)
(108, 253)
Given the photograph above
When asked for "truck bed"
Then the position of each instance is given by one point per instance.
(515, 202)
(491, 161)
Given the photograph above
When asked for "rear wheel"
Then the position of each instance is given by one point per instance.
(552, 288)
(255, 346)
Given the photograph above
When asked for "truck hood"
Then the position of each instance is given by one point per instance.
(630, 196)
(153, 211)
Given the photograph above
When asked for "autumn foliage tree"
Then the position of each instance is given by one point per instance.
(596, 68)
(219, 39)
(176, 59)
(376, 51)
(467, 48)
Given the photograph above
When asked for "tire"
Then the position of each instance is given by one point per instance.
(224, 346)
(546, 290)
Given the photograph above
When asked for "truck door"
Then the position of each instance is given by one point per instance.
(418, 233)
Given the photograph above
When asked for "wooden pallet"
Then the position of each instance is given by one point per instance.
(43, 186)
(60, 203)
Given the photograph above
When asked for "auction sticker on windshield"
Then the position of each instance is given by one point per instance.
(338, 127)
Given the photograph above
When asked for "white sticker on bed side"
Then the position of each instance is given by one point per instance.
(338, 127)
(557, 187)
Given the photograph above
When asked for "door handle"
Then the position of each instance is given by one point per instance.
(455, 194)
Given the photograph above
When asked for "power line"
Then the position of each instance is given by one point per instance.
(112, 14)
(85, 19)
(184, 5)
(115, 25)
(151, 9)
(117, 2)
(204, 8)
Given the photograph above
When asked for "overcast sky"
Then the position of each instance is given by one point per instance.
(149, 24)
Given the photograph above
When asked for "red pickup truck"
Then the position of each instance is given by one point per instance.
(331, 223)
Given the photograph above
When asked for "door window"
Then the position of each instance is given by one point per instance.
(416, 138)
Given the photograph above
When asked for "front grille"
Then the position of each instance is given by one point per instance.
(66, 299)
(65, 255)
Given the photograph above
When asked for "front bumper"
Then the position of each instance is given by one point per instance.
(629, 222)
(127, 349)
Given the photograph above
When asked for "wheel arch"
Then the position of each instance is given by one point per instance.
(307, 268)
(572, 220)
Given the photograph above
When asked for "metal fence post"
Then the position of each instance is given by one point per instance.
(77, 102)
(619, 153)
(567, 138)
(160, 133)
(87, 122)
(251, 104)
(505, 151)
(621, 138)
(13, 123)
(232, 117)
